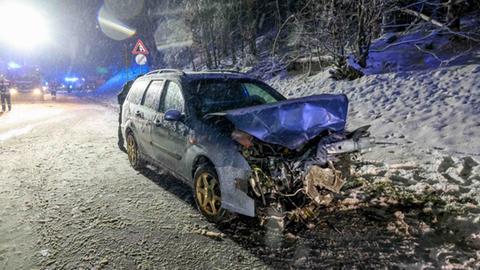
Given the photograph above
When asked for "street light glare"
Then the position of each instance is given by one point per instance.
(113, 27)
(22, 26)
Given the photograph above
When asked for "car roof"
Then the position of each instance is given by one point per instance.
(197, 75)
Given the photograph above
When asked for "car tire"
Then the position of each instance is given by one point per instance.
(207, 194)
(133, 152)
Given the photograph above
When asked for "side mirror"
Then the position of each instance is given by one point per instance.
(173, 115)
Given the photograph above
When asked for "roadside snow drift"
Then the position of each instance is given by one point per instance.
(438, 109)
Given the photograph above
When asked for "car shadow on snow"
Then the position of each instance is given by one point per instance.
(366, 237)
(171, 184)
(338, 240)
(363, 237)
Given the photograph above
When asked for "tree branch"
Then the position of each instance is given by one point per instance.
(437, 23)
(423, 17)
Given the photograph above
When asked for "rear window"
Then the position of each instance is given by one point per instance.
(135, 94)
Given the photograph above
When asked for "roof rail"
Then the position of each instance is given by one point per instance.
(224, 71)
(165, 70)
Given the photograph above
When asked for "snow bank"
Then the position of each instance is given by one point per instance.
(429, 119)
(439, 109)
(424, 48)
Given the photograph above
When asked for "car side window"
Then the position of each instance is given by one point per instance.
(173, 98)
(135, 95)
(254, 90)
(153, 95)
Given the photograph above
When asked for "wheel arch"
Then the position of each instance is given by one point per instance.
(200, 160)
(229, 166)
(129, 127)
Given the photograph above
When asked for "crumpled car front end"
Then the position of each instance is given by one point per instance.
(291, 184)
(299, 152)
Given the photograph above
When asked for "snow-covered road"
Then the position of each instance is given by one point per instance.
(26, 117)
(69, 199)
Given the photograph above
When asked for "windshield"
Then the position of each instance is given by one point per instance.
(222, 95)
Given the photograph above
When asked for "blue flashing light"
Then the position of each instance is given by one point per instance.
(116, 82)
(13, 65)
(71, 79)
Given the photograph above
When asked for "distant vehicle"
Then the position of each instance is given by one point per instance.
(27, 83)
(90, 86)
(92, 83)
(242, 146)
(73, 84)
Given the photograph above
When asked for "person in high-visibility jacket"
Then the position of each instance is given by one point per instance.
(5, 97)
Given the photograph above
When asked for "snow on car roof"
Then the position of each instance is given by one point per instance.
(196, 75)
(215, 75)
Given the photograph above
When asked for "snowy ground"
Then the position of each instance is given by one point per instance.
(422, 116)
(428, 124)
(433, 108)
(70, 199)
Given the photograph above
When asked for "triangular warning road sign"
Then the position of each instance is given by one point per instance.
(140, 48)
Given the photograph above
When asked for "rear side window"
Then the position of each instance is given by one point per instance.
(173, 98)
(153, 94)
(135, 94)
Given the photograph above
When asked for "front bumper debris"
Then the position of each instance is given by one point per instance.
(318, 178)
(295, 183)
(349, 146)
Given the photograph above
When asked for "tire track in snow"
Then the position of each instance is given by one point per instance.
(9, 134)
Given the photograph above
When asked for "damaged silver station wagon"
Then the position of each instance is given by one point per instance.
(243, 147)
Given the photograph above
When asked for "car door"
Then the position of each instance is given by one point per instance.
(170, 138)
(135, 112)
(149, 109)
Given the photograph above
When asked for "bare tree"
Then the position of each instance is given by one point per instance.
(333, 28)
(369, 14)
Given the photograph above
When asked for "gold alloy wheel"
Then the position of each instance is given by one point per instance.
(208, 194)
(132, 150)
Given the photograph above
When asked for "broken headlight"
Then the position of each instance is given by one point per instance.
(242, 138)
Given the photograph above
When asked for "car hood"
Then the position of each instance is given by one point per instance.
(292, 122)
